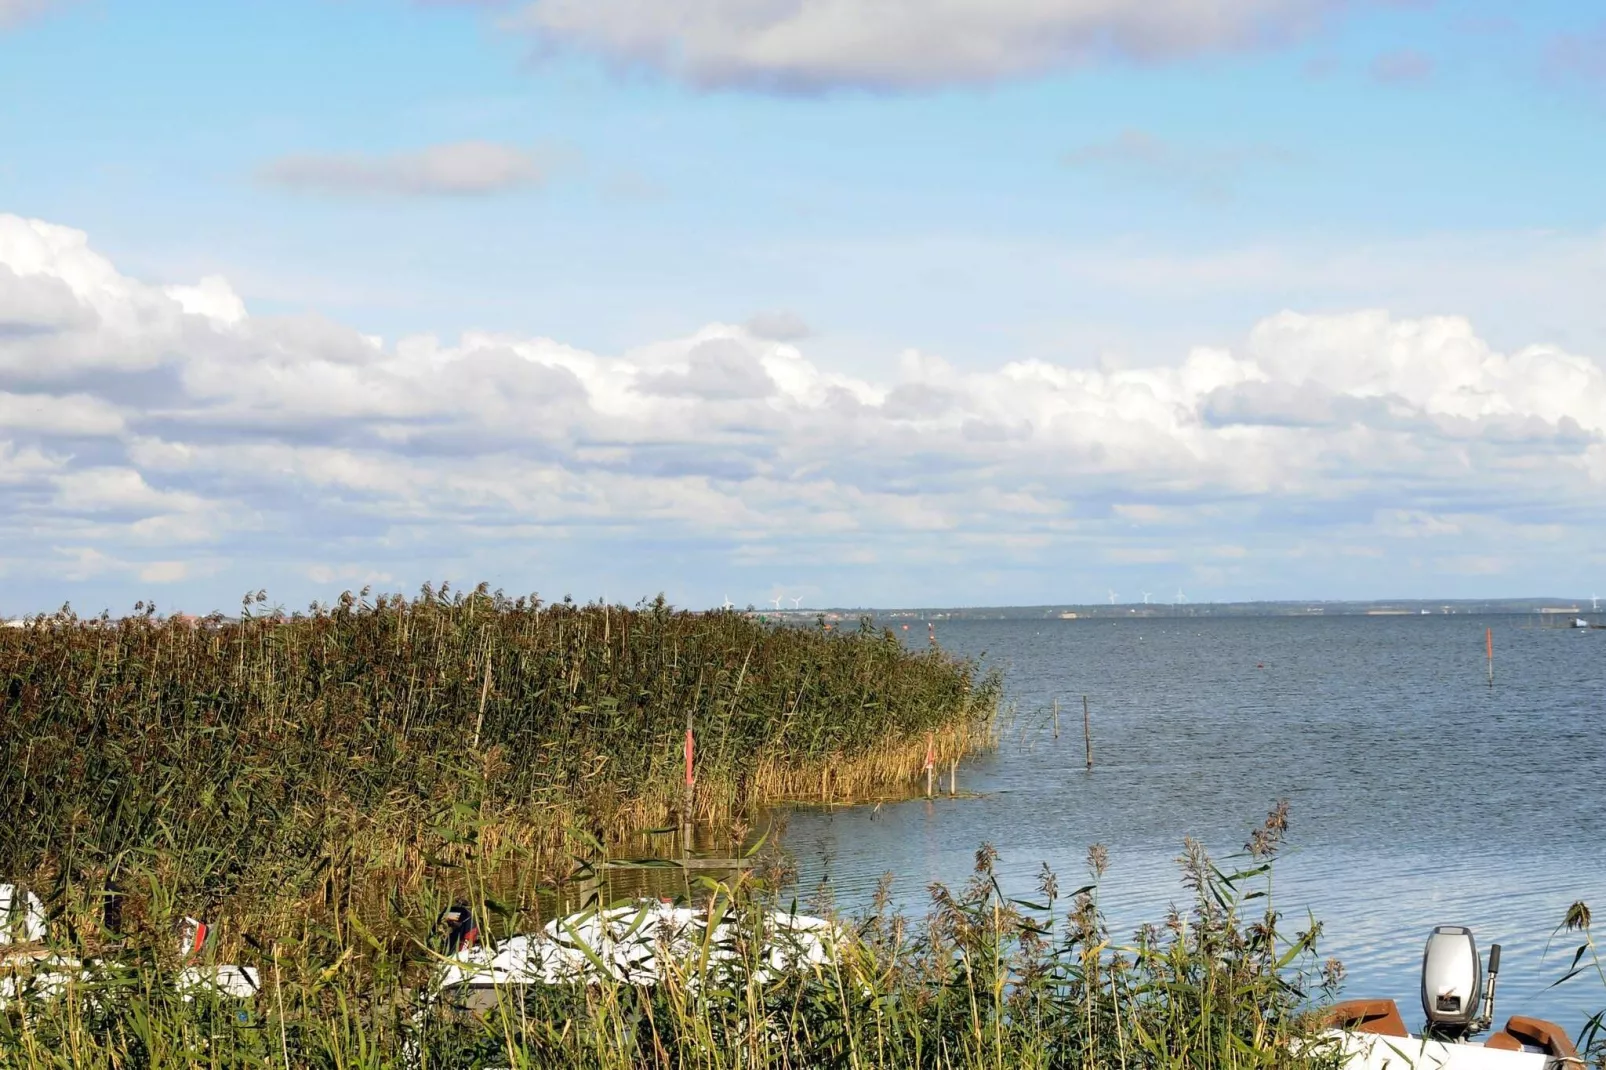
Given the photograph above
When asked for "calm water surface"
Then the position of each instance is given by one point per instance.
(1419, 795)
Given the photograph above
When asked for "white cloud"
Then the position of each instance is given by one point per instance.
(118, 490)
(463, 168)
(212, 298)
(74, 415)
(272, 442)
(25, 465)
(164, 571)
(903, 44)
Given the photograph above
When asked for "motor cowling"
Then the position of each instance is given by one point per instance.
(1452, 981)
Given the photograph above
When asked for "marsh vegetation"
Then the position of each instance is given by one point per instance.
(322, 786)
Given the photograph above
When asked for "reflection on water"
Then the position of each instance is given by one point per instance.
(1420, 796)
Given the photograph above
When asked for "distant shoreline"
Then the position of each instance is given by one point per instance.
(1528, 607)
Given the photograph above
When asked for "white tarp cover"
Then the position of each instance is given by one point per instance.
(632, 943)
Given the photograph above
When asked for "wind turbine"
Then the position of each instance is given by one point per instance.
(797, 602)
(1112, 598)
(729, 605)
(1180, 596)
(1145, 597)
(776, 602)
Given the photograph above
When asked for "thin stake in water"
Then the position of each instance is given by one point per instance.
(1087, 732)
(1488, 643)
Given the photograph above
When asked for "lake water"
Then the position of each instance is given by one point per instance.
(1420, 796)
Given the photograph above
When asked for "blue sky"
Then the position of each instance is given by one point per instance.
(963, 303)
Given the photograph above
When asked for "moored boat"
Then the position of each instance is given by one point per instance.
(31, 970)
(635, 944)
(1458, 1004)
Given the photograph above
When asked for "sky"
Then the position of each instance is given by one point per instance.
(924, 302)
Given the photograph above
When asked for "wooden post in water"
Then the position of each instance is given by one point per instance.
(1087, 732)
(1488, 643)
(1056, 717)
(953, 776)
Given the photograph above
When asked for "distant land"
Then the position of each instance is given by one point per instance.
(1552, 610)
(1540, 608)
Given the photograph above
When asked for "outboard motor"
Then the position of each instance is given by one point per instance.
(1454, 999)
(461, 929)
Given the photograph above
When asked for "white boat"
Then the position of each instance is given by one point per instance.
(1458, 1004)
(634, 944)
(1523, 1044)
(31, 970)
(1580, 622)
(22, 916)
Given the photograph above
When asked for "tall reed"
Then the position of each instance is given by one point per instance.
(985, 981)
(284, 764)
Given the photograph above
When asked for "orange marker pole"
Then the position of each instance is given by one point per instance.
(1488, 644)
(685, 809)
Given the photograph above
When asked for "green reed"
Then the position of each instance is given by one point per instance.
(317, 762)
(985, 980)
(322, 785)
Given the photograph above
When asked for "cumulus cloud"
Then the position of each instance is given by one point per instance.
(717, 368)
(463, 168)
(902, 44)
(137, 419)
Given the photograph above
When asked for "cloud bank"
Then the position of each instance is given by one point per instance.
(903, 44)
(166, 434)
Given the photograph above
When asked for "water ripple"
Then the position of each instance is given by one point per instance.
(1420, 795)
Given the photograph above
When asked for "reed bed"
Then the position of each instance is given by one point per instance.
(278, 766)
(320, 786)
(985, 981)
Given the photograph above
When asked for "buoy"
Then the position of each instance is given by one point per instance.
(1260, 665)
